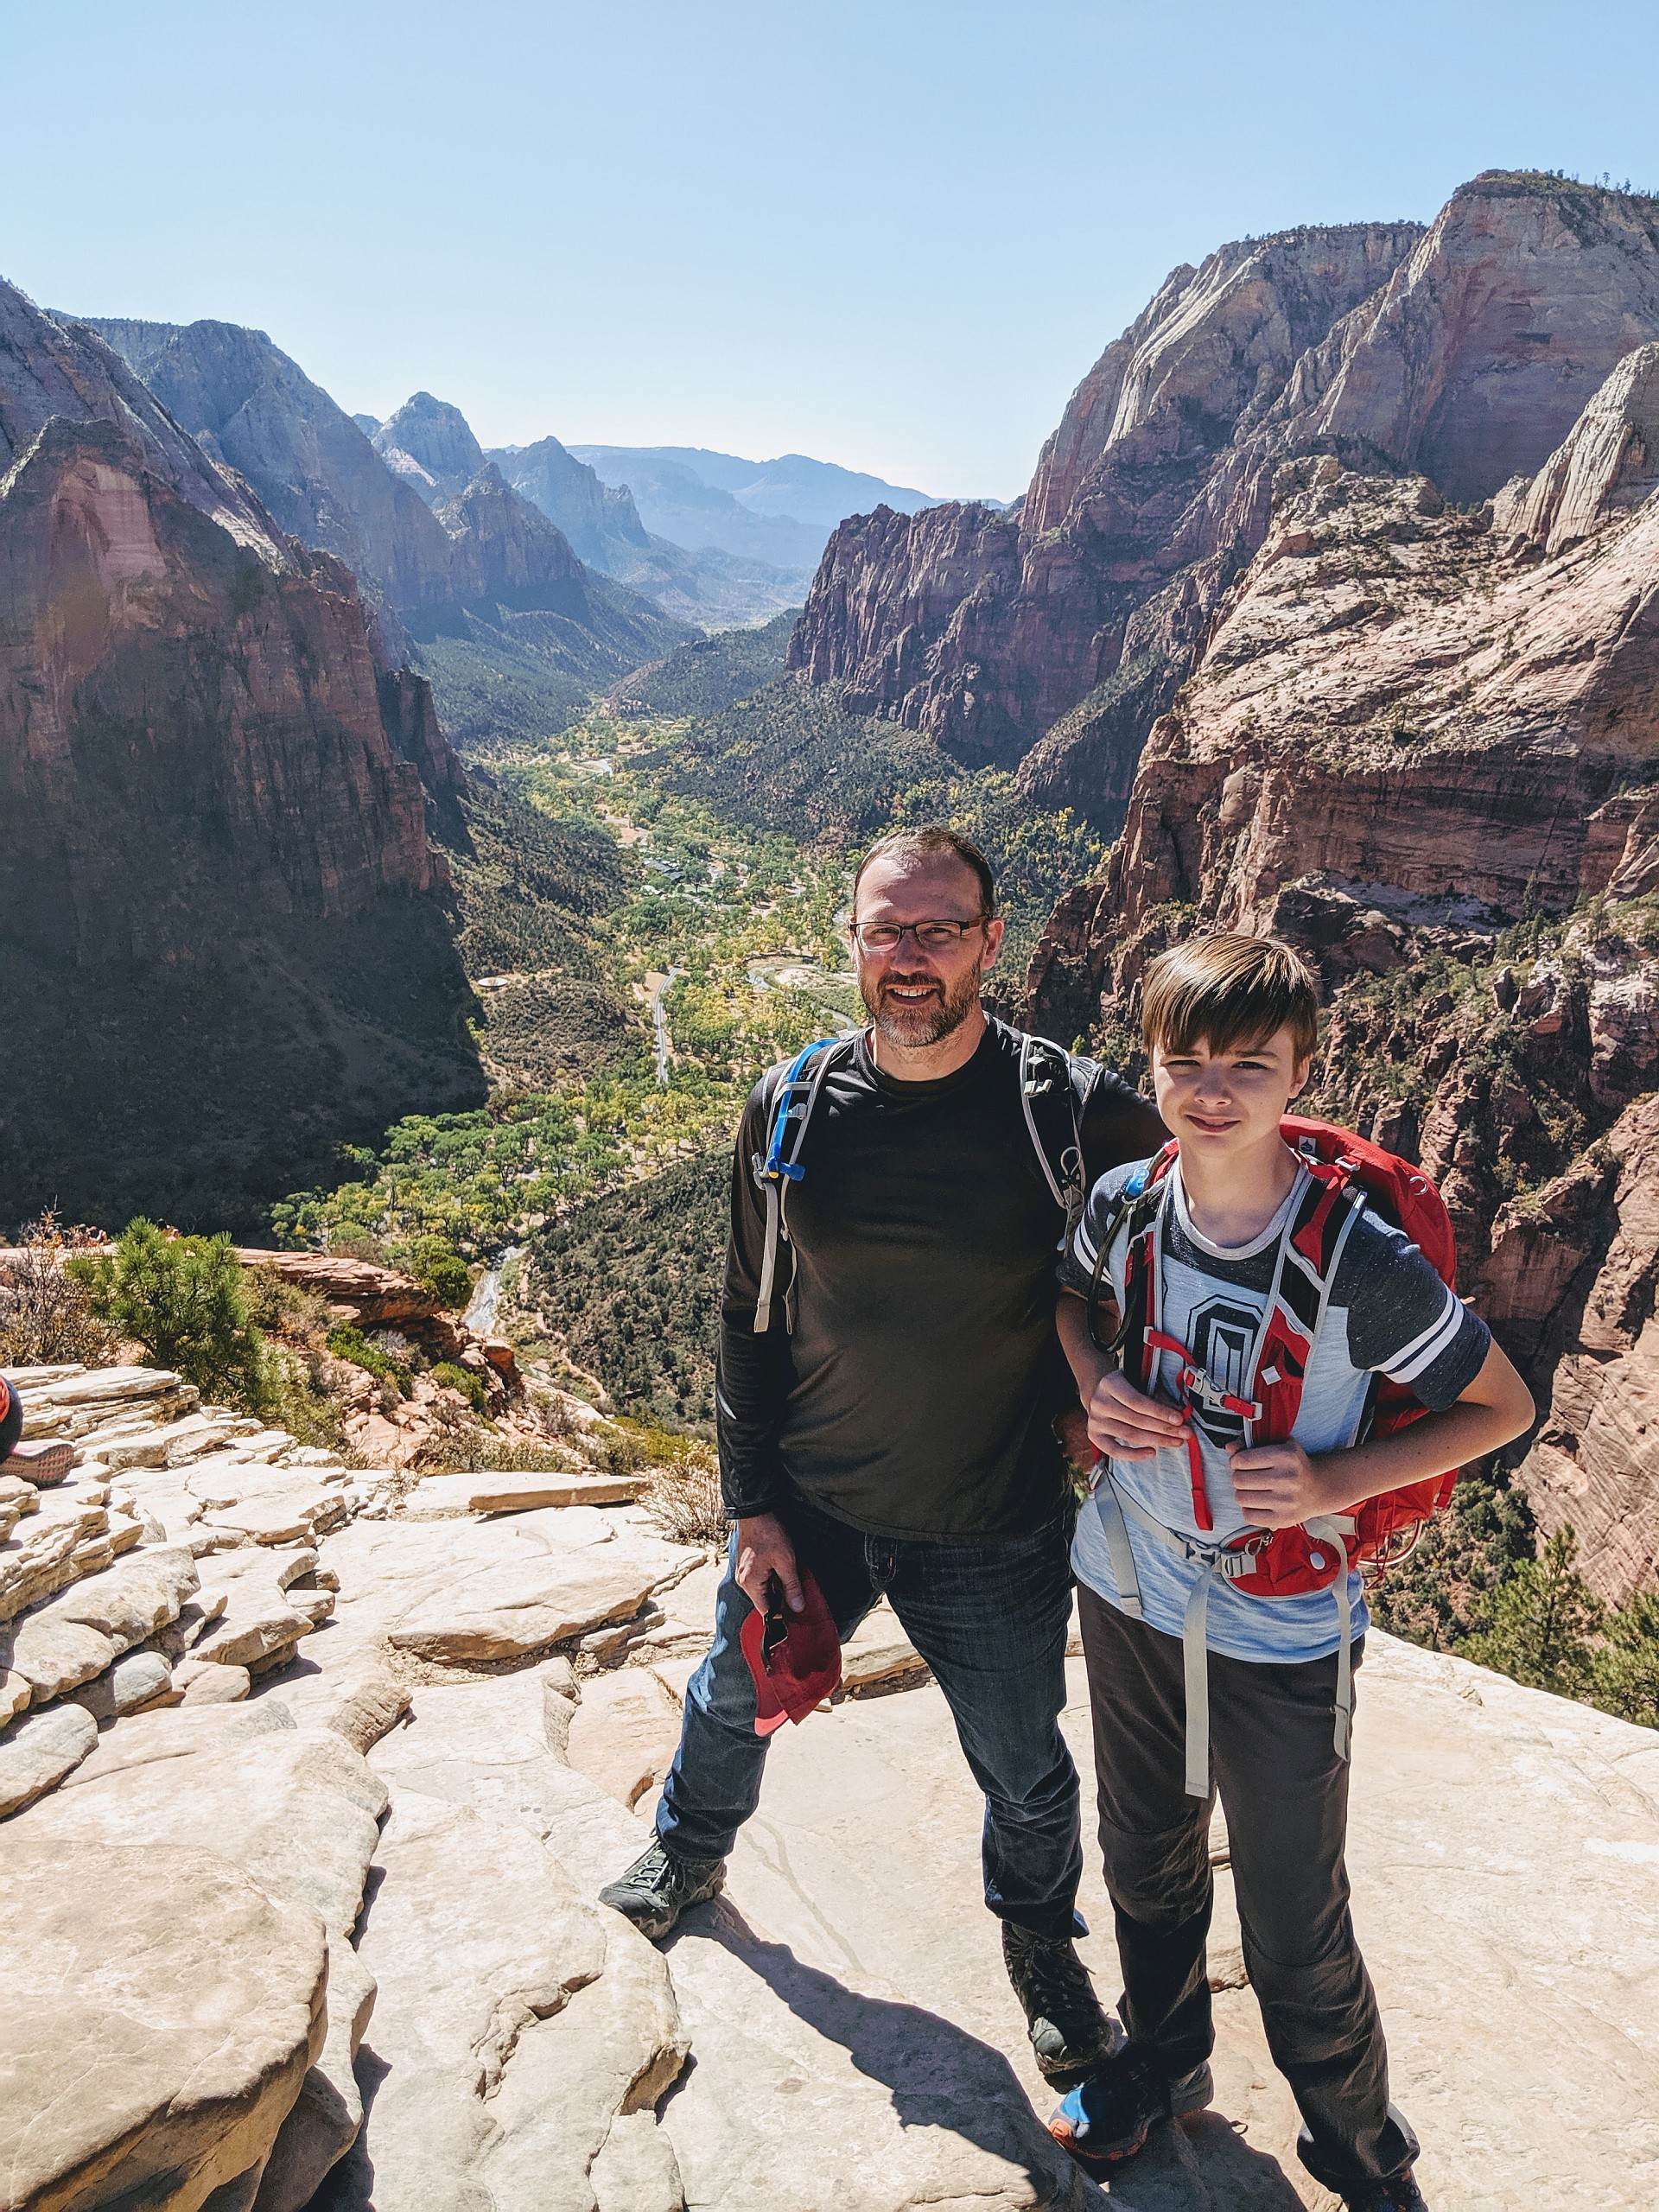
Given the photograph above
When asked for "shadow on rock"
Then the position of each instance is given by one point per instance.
(349, 2186)
(936, 2075)
(1232, 2173)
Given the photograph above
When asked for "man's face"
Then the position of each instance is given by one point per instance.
(917, 994)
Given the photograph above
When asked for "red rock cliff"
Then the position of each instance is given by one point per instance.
(224, 926)
(1056, 636)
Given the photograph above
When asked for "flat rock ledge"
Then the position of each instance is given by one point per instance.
(373, 1767)
(175, 2007)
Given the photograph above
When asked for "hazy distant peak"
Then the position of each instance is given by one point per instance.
(818, 494)
(437, 438)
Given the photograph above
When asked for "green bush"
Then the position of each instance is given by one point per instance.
(183, 1299)
(347, 1342)
(470, 1386)
(1543, 1623)
(441, 1272)
(1627, 1666)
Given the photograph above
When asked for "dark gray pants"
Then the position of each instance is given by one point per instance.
(1286, 1794)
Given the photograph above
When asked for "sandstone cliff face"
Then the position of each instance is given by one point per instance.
(219, 815)
(600, 520)
(430, 445)
(1465, 352)
(1478, 355)
(505, 549)
(252, 407)
(902, 612)
(1424, 745)
(983, 630)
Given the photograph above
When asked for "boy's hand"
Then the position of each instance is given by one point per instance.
(1277, 1484)
(1125, 1422)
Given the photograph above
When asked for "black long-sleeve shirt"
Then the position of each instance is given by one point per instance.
(917, 1394)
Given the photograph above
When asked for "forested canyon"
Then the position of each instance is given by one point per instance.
(417, 847)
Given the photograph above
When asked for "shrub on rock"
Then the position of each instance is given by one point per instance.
(183, 1299)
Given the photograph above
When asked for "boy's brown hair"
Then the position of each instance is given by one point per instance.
(1231, 990)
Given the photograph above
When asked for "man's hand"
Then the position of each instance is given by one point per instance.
(763, 1550)
(1127, 1423)
(1278, 1485)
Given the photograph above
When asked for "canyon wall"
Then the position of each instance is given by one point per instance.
(1422, 742)
(226, 930)
(1055, 637)
(441, 551)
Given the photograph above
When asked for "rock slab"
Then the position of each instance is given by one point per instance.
(175, 2006)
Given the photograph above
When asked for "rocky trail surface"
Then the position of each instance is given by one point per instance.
(334, 1942)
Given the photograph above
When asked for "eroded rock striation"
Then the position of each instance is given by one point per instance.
(1056, 636)
(1421, 741)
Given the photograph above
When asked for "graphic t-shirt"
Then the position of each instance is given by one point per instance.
(1389, 1313)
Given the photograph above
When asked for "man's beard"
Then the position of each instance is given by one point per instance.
(916, 1022)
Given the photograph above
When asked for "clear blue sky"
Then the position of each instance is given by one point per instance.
(893, 233)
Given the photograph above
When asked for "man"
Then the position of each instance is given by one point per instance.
(898, 1437)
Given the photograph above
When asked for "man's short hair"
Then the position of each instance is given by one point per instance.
(921, 844)
(1231, 990)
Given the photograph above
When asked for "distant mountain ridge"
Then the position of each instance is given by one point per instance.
(464, 569)
(818, 492)
(780, 511)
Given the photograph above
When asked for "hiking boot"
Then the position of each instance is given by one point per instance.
(659, 1886)
(1109, 2117)
(1400, 2195)
(1069, 2032)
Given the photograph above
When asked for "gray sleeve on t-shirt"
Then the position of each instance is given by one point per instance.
(1403, 1319)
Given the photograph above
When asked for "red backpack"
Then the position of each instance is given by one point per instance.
(1346, 1172)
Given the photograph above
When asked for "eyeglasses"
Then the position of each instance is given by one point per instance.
(932, 936)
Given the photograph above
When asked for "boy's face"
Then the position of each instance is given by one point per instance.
(1223, 1104)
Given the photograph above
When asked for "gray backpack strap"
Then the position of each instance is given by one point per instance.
(1042, 1065)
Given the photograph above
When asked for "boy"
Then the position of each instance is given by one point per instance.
(1230, 1023)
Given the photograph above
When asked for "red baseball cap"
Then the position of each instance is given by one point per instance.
(803, 1666)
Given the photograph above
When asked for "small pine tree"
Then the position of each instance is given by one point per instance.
(441, 1271)
(1542, 1623)
(183, 1299)
(1627, 1668)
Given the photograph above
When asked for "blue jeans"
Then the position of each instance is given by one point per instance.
(990, 1620)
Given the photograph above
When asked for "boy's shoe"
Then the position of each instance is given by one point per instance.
(1400, 2195)
(659, 1886)
(1070, 2032)
(1110, 2116)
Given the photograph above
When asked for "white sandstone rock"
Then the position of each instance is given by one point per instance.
(624, 1732)
(174, 2007)
(519, 2023)
(298, 1811)
(131, 1684)
(465, 1591)
(38, 1750)
(53, 1654)
(441, 1497)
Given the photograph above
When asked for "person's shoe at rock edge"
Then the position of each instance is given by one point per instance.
(1400, 2195)
(1070, 2033)
(1109, 2117)
(659, 1886)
